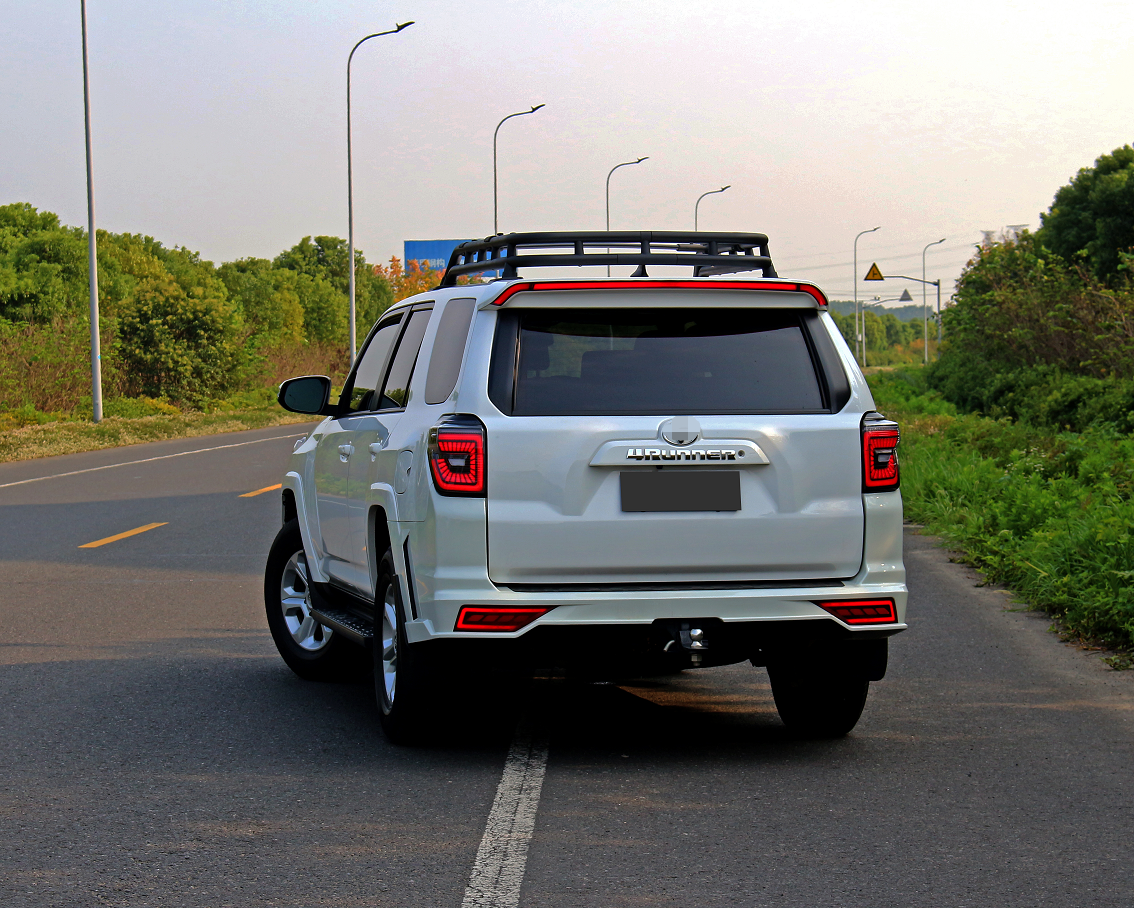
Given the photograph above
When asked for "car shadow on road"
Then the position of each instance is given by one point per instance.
(228, 705)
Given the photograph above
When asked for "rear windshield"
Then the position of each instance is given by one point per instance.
(663, 361)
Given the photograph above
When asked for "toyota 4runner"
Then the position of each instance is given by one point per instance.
(612, 476)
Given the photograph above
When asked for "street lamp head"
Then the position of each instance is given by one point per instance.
(537, 107)
(402, 25)
(640, 160)
(723, 188)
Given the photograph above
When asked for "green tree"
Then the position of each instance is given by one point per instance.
(20, 220)
(326, 316)
(1093, 216)
(43, 266)
(267, 298)
(325, 258)
(1018, 307)
(845, 324)
(171, 344)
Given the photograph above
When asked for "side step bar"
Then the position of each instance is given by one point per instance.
(350, 626)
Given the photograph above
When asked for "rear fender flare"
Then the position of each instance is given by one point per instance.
(382, 499)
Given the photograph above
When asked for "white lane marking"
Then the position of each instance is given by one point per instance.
(130, 463)
(498, 871)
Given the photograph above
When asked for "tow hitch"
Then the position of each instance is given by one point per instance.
(688, 636)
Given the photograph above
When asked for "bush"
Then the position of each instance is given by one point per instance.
(47, 368)
(185, 348)
(1047, 513)
(1018, 306)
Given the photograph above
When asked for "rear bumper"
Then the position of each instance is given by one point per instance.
(614, 650)
(641, 608)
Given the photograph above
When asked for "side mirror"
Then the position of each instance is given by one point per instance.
(307, 394)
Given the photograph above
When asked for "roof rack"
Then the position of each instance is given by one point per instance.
(707, 253)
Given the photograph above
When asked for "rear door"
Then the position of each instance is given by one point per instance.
(670, 444)
(345, 443)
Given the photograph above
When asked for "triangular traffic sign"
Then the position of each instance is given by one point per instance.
(874, 274)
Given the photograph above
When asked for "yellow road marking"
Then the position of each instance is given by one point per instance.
(278, 485)
(115, 538)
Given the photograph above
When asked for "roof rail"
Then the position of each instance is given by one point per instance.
(707, 253)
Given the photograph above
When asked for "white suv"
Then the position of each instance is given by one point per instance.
(613, 476)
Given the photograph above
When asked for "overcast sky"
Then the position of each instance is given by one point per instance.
(221, 126)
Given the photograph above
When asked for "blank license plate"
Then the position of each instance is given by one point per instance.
(693, 490)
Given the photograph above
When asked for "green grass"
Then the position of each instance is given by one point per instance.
(26, 434)
(1047, 514)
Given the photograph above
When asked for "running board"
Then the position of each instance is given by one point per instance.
(350, 626)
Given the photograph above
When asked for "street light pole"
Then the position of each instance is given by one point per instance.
(608, 176)
(92, 245)
(495, 202)
(698, 203)
(938, 317)
(350, 182)
(923, 282)
(860, 332)
(924, 306)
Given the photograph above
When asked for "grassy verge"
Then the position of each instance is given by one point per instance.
(28, 435)
(1048, 514)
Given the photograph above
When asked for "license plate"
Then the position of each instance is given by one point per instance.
(680, 490)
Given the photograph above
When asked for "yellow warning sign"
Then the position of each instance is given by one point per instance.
(874, 274)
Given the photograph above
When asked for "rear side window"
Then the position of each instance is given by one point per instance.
(659, 361)
(448, 349)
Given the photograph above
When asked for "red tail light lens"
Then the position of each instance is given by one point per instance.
(880, 471)
(863, 611)
(482, 618)
(456, 457)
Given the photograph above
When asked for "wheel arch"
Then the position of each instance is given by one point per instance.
(378, 539)
(293, 488)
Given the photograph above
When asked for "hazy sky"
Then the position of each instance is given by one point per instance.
(221, 126)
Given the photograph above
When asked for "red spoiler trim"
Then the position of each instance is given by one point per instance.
(789, 286)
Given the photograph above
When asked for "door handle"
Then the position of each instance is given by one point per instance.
(375, 447)
(345, 451)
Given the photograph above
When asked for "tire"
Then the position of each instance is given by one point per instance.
(311, 650)
(403, 683)
(818, 704)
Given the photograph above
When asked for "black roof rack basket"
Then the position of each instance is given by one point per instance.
(707, 253)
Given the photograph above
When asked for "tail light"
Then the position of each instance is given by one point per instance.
(456, 456)
(862, 611)
(880, 439)
(487, 618)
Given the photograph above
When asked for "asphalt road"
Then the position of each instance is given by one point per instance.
(155, 751)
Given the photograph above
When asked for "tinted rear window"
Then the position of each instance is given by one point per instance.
(663, 361)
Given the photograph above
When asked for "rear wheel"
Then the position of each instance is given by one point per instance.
(818, 704)
(402, 680)
(310, 649)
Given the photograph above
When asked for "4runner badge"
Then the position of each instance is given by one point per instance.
(737, 452)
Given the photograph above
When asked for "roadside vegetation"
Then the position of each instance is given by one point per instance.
(893, 337)
(188, 347)
(1017, 444)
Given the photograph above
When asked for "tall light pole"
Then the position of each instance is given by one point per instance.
(92, 245)
(495, 196)
(608, 176)
(350, 182)
(924, 305)
(859, 330)
(701, 196)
